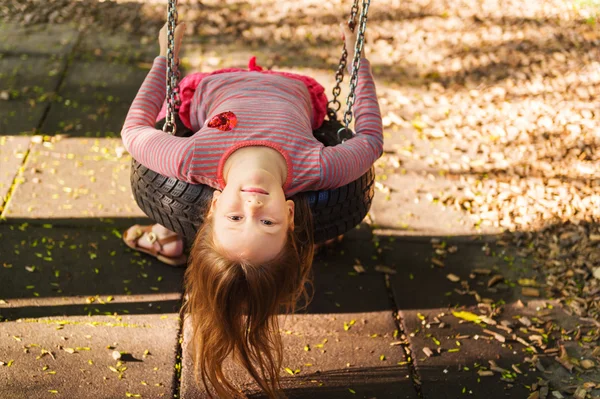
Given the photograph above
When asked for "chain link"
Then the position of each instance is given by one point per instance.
(360, 41)
(173, 75)
(353, 12)
(334, 105)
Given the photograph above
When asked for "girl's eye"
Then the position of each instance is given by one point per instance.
(234, 218)
(267, 222)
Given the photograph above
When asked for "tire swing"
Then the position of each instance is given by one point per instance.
(181, 206)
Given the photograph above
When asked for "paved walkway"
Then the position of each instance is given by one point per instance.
(439, 311)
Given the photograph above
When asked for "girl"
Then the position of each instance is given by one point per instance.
(253, 143)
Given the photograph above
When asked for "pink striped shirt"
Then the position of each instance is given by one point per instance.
(272, 111)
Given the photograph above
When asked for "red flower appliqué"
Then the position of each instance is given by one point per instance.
(224, 121)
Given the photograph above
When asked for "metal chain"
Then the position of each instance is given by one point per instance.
(358, 47)
(173, 100)
(353, 12)
(334, 105)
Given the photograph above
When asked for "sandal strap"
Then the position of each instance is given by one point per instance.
(167, 240)
(153, 238)
(138, 231)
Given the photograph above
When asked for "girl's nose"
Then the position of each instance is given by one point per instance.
(253, 206)
(254, 202)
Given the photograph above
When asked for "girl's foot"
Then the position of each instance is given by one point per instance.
(158, 241)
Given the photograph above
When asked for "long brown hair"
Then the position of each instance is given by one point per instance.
(233, 305)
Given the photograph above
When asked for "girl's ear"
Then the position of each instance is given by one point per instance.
(291, 209)
(213, 202)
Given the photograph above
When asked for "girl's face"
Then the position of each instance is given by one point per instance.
(251, 218)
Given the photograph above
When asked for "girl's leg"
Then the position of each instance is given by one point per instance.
(157, 241)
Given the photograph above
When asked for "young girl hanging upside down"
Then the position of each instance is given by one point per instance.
(254, 144)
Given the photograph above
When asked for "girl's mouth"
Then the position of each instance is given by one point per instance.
(255, 190)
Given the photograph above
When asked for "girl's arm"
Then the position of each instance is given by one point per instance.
(155, 149)
(348, 161)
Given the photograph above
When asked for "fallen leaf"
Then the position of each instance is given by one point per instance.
(466, 316)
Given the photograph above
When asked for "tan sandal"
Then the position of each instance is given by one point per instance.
(139, 231)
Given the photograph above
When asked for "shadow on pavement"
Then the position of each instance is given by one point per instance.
(146, 307)
(53, 258)
(380, 382)
(51, 269)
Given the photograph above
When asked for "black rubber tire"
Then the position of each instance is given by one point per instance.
(180, 206)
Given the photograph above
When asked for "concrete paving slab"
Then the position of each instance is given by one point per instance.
(466, 349)
(98, 44)
(32, 75)
(80, 267)
(416, 177)
(12, 154)
(421, 283)
(406, 210)
(96, 96)
(454, 374)
(44, 39)
(78, 362)
(338, 287)
(27, 84)
(20, 118)
(32, 60)
(337, 363)
(83, 181)
(551, 312)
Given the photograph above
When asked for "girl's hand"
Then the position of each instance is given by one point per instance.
(163, 40)
(349, 38)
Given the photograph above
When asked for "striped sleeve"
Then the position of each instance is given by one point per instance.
(346, 162)
(154, 148)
